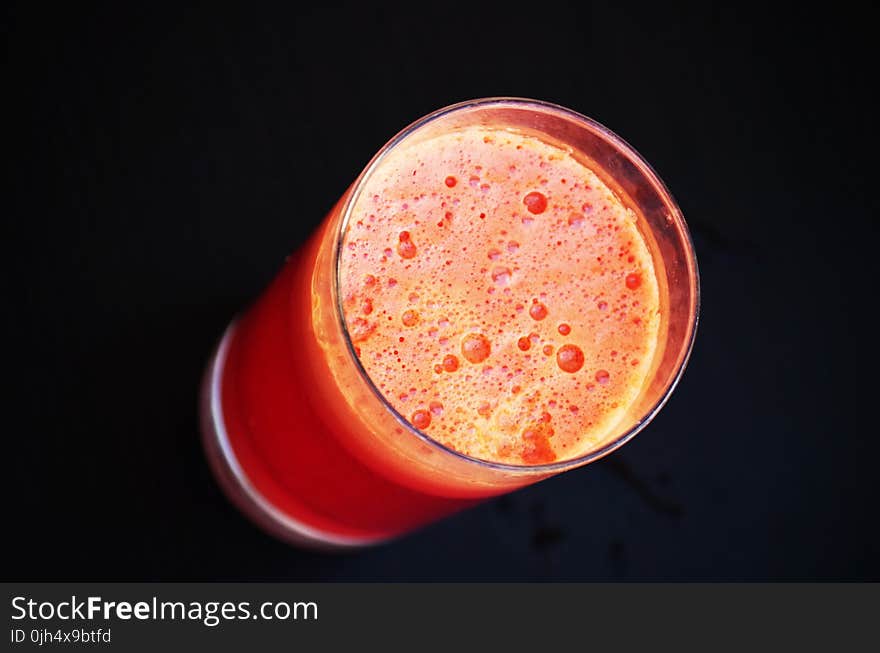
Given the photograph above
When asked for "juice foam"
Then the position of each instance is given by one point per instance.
(499, 295)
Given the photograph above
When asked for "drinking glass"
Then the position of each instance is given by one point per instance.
(302, 440)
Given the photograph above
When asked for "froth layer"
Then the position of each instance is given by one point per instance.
(499, 295)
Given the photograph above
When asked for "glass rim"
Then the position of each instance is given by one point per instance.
(619, 144)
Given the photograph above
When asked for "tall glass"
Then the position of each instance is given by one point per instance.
(306, 445)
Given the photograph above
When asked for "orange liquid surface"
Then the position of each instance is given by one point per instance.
(499, 295)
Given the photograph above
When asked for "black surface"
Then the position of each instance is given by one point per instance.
(170, 162)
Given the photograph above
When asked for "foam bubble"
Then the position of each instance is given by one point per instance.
(501, 275)
(410, 317)
(537, 310)
(535, 202)
(475, 347)
(570, 358)
(421, 419)
(450, 363)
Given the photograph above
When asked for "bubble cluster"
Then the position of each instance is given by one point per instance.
(449, 277)
(406, 247)
(536, 444)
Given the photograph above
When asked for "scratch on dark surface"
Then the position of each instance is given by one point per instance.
(545, 536)
(710, 240)
(656, 502)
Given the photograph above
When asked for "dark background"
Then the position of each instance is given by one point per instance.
(169, 162)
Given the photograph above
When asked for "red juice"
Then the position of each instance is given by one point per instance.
(506, 292)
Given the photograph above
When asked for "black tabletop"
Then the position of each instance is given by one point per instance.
(170, 162)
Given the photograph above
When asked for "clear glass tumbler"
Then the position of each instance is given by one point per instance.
(306, 445)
